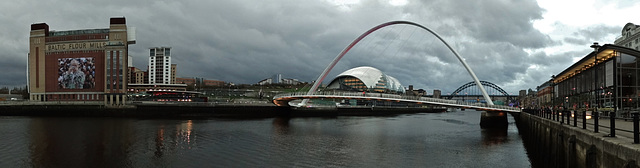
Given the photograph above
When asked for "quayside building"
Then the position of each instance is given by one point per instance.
(606, 78)
(79, 65)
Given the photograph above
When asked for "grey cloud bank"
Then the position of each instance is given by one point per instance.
(245, 41)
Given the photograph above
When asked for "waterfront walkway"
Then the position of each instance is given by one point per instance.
(623, 127)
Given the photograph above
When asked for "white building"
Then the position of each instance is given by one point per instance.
(366, 78)
(630, 37)
(160, 65)
(278, 79)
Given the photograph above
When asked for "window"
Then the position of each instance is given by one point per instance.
(152, 52)
(167, 51)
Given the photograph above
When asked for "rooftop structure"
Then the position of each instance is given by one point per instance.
(630, 36)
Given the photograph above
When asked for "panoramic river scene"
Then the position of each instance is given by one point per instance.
(320, 83)
(450, 139)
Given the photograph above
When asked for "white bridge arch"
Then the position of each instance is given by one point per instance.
(326, 71)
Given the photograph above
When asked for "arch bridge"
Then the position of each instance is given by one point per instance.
(484, 84)
(284, 99)
(469, 93)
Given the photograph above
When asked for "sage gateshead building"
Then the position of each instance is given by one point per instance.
(366, 79)
(79, 65)
(606, 78)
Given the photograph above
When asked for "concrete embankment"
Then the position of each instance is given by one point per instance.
(553, 144)
(185, 110)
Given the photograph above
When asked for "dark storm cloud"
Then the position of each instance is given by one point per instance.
(246, 41)
(492, 21)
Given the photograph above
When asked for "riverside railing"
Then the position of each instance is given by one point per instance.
(329, 94)
(615, 123)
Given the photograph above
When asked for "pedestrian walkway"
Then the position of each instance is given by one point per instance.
(623, 127)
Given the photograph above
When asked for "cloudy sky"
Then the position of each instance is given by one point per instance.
(516, 44)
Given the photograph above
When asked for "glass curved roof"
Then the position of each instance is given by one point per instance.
(371, 77)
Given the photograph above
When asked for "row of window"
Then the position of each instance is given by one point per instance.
(630, 44)
(54, 97)
(76, 37)
(114, 72)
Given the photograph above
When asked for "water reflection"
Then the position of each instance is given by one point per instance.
(421, 140)
(159, 142)
(184, 132)
(61, 142)
(181, 138)
(281, 125)
(494, 136)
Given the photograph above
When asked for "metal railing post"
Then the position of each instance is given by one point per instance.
(575, 118)
(636, 132)
(596, 117)
(546, 114)
(538, 113)
(568, 118)
(561, 117)
(612, 122)
(584, 119)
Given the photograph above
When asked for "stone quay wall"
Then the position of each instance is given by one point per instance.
(552, 144)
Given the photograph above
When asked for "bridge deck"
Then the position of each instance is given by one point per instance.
(284, 99)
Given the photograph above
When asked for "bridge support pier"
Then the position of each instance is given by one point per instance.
(493, 120)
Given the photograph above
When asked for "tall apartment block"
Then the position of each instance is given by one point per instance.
(161, 71)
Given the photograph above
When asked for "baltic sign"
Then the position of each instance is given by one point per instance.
(76, 46)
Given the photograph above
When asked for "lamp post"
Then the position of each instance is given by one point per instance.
(595, 47)
(553, 77)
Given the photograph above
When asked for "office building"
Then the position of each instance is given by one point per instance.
(160, 66)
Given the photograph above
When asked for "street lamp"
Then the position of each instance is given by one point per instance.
(595, 47)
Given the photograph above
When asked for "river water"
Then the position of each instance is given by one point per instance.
(452, 139)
